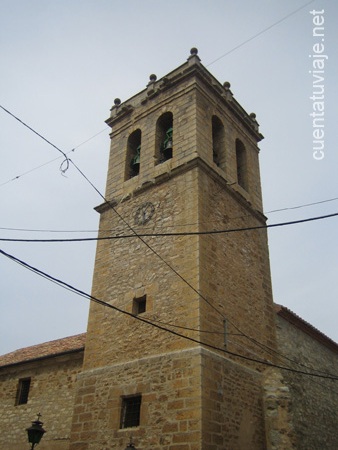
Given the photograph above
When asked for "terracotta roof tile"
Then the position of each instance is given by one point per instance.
(51, 348)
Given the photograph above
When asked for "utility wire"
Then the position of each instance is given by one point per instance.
(66, 160)
(63, 170)
(31, 230)
(262, 346)
(212, 62)
(87, 296)
(302, 206)
(162, 234)
(118, 214)
(179, 233)
(260, 33)
(160, 327)
(135, 234)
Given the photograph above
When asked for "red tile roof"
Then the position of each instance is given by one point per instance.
(47, 349)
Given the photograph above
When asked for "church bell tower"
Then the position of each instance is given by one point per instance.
(175, 362)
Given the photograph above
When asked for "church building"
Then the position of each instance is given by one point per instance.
(185, 349)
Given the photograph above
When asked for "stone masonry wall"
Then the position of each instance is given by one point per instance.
(127, 269)
(170, 419)
(51, 393)
(233, 416)
(235, 274)
(314, 400)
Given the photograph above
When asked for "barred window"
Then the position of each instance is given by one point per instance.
(130, 413)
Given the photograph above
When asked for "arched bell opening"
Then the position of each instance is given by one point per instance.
(218, 142)
(164, 138)
(241, 161)
(133, 159)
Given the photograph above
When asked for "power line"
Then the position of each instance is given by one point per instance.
(259, 33)
(212, 62)
(50, 161)
(302, 206)
(40, 230)
(135, 234)
(141, 237)
(66, 160)
(178, 233)
(160, 327)
(120, 216)
(272, 351)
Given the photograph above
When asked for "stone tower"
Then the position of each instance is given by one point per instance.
(179, 371)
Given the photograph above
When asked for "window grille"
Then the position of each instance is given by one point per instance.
(130, 413)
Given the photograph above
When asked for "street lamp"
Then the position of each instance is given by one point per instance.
(35, 432)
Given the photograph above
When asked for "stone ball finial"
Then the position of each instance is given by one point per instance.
(252, 116)
(193, 51)
(226, 85)
(153, 78)
(117, 102)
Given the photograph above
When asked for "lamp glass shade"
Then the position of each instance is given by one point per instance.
(35, 432)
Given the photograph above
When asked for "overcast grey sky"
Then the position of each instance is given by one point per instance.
(62, 65)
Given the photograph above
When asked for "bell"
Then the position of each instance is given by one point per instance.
(168, 144)
(168, 149)
(135, 162)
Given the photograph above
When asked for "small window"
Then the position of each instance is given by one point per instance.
(130, 413)
(164, 138)
(139, 305)
(23, 391)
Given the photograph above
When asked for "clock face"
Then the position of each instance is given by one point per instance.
(144, 213)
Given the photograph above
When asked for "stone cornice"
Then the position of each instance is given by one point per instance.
(176, 171)
(192, 68)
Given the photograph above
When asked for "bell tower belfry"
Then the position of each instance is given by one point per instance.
(188, 263)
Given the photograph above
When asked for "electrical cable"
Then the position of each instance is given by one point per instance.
(174, 270)
(167, 226)
(178, 233)
(117, 213)
(137, 317)
(147, 245)
(260, 33)
(103, 197)
(64, 154)
(302, 206)
(161, 234)
(66, 160)
(207, 65)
